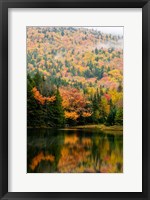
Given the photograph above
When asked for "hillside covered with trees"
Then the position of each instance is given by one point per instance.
(74, 77)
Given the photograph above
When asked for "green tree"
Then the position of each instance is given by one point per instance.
(96, 51)
(38, 79)
(56, 112)
(119, 116)
(35, 113)
(111, 117)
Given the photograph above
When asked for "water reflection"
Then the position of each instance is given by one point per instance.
(74, 151)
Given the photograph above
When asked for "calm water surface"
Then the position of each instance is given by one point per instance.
(74, 151)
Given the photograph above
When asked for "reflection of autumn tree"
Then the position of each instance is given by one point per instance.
(40, 157)
(89, 155)
(45, 151)
(75, 153)
(73, 157)
(96, 154)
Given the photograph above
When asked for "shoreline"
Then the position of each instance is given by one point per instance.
(100, 126)
(115, 129)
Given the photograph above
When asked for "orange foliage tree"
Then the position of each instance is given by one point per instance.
(74, 103)
(41, 99)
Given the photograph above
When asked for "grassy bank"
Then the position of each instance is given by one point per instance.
(116, 129)
(101, 126)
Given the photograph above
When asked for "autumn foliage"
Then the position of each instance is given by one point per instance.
(38, 158)
(75, 76)
(41, 99)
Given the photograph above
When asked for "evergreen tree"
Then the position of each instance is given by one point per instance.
(58, 112)
(119, 116)
(111, 117)
(96, 51)
(38, 80)
(35, 114)
(62, 33)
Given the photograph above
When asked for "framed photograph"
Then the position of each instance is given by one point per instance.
(74, 99)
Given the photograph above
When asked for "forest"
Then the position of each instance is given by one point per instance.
(74, 77)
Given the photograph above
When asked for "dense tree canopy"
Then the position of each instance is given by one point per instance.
(75, 76)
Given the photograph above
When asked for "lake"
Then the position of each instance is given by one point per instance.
(74, 151)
